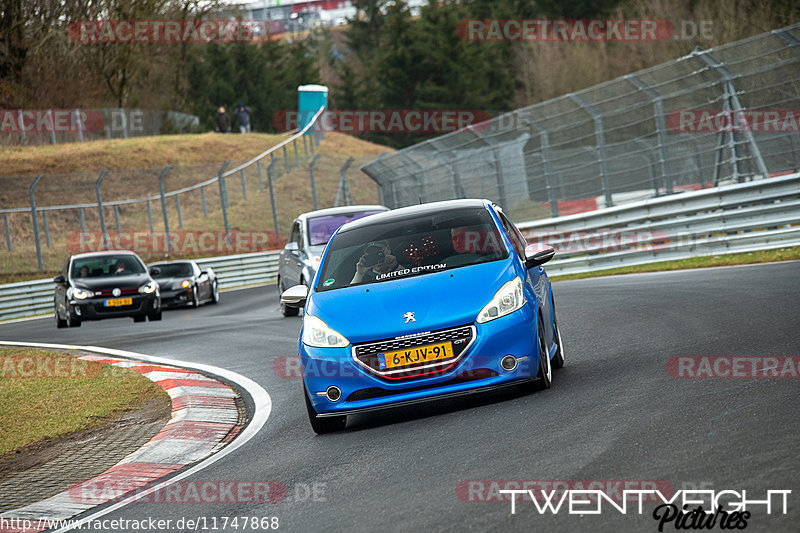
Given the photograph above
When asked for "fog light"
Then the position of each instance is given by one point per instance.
(333, 393)
(509, 363)
(77, 310)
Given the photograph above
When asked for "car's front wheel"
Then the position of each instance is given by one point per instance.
(326, 424)
(545, 368)
(155, 316)
(558, 358)
(215, 293)
(195, 297)
(60, 323)
(72, 320)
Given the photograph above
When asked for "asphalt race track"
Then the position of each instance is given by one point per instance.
(613, 413)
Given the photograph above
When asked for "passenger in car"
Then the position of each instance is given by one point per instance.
(377, 259)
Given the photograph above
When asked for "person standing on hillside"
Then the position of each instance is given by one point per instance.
(242, 113)
(222, 122)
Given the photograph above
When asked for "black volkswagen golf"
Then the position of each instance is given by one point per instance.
(99, 285)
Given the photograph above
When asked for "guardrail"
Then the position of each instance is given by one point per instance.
(758, 215)
(29, 298)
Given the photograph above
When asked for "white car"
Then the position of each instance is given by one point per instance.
(311, 231)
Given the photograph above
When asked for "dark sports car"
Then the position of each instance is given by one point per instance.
(99, 285)
(185, 283)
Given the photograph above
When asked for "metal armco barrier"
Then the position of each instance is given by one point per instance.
(758, 215)
(29, 298)
(746, 217)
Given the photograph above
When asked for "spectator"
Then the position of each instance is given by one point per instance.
(223, 123)
(242, 113)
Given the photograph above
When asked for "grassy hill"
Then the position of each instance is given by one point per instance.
(134, 167)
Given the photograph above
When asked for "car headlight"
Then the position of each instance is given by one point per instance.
(81, 294)
(185, 283)
(317, 333)
(149, 288)
(507, 300)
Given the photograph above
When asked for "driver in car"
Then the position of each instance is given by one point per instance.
(376, 259)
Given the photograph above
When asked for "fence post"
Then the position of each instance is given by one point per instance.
(244, 184)
(79, 123)
(735, 105)
(35, 219)
(21, 126)
(599, 134)
(272, 194)
(124, 122)
(342, 190)
(311, 176)
(223, 194)
(83, 221)
(501, 180)
(46, 229)
(116, 220)
(544, 143)
(260, 180)
(296, 155)
(100, 207)
(205, 205)
(150, 217)
(52, 126)
(178, 207)
(661, 129)
(305, 147)
(8, 232)
(164, 203)
(285, 158)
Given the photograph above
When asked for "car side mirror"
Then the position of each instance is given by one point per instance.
(292, 247)
(59, 279)
(155, 271)
(538, 254)
(295, 296)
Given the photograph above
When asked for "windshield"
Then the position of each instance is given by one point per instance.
(320, 229)
(422, 244)
(173, 270)
(102, 266)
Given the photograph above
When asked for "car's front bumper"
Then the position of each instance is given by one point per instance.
(177, 297)
(477, 369)
(95, 308)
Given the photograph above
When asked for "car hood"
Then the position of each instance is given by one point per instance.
(120, 282)
(438, 300)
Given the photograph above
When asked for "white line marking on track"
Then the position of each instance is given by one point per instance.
(261, 401)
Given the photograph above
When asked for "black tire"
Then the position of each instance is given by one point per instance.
(214, 293)
(155, 316)
(140, 318)
(195, 297)
(545, 376)
(72, 320)
(324, 425)
(558, 358)
(60, 323)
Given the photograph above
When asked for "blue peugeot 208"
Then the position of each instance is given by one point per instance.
(421, 303)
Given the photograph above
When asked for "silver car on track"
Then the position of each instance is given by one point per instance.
(310, 233)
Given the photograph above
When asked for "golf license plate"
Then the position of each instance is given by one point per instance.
(119, 301)
(417, 355)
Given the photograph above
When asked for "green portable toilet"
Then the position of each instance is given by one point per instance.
(309, 99)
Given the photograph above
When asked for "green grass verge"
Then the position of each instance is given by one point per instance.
(766, 256)
(44, 395)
